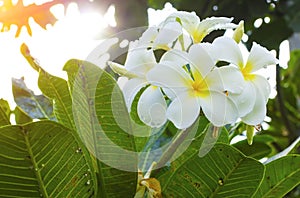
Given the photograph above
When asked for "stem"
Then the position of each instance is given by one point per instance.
(167, 155)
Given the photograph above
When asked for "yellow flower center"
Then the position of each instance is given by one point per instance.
(246, 71)
(200, 88)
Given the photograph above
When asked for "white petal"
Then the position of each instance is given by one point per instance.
(149, 35)
(168, 33)
(226, 79)
(200, 59)
(263, 85)
(188, 20)
(245, 101)
(260, 57)
(131, 88)
(152, 107)
(208, 25)
(177, 57)
(183, 111)
(226, 49)
(258, 113)
(170, 76)
(140, 60)
(219, 109)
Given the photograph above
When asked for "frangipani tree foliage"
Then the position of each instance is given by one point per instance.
(166, 133)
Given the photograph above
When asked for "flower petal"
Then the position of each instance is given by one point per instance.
(139, 60)
(244, 101)
(200, 59)
(168, 33)
(263, 85)
(208, 25)
(177, 57)
(219, 109)
(226, 79)
(260, 57)
(149, 35)
(226, 49)
(169, 76)
(188, 20)
(258, 113)
(131, 88)
(152, 107)
(183, 111)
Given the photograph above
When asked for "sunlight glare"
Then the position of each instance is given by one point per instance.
(72, 36)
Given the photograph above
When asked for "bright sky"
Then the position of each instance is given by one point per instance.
(72, 36)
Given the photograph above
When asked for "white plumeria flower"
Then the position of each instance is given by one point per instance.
(199, 29)
(252, 102)
(162, 36)
(198, 85)
(151, 105)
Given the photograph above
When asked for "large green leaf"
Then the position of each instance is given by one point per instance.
(57, 89)
(104, 125)
(223, 172)
(260, 148)
(44, 159)
(4, 113)
(36, 106)
(281, 176)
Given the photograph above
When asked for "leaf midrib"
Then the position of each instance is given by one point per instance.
(35, 166)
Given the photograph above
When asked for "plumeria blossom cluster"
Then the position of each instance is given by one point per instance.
(188, 81)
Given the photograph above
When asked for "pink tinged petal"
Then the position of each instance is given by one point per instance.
(168, 33)
(227, 79)
(140, 60)
(131, 88)
(219, 109)
(200, 59)
(260, 57)
(226, 49)
(183, 111)
(170, 76)
(177, 57)
(263, 85)
(152, 107)
(258, 113)
(244, 101)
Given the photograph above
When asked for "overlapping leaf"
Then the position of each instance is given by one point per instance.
(103, 123)
(222, 172)
(4, 113)
(57, 89)
(44, 159)
(36, 106)
(281, 176)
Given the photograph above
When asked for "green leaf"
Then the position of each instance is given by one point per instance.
(223, 172)
(259, 149)
(281, 176)
(4, 113)
(21, 117)
(36, 106)
(44, 159)
(104, 125)
(57, 89)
